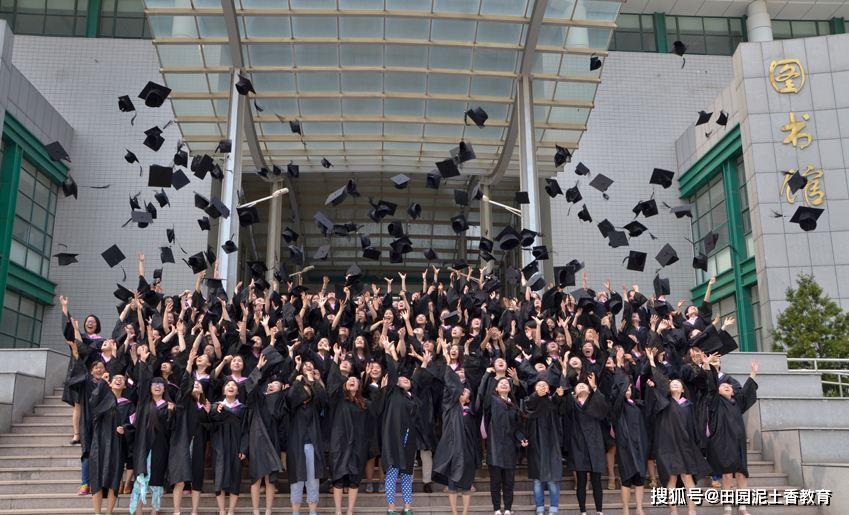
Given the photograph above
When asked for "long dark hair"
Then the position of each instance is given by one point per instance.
(355, 397)
(153, 416)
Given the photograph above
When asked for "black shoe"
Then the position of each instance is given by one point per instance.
(428, 488)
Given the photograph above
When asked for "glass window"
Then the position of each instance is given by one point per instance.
(745, 215)
(634, 33)
(757, 325)
(32, 232)
(21, 324)
(710, 214)
(705, 35)
(728, 308)
(124, 19)
(45, 17)
(790, 29)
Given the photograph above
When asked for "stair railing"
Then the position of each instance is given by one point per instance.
(834, 373)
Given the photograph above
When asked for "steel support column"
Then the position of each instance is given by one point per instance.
(272, 244)
(527, 162)
(228, 263)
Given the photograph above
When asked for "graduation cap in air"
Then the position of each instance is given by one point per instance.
(351, 187)
(181, 158)
(400, 181)
(113, 256)
(431, 255)
(151, 209)
(461, 198)
(371, 253)
(477, 115)
(289, 235)
(661, 286)
(402, 245)
(552, 187)
(448, 168)
(636, 261)
(648, 208)
(66, 258)
(336, 197)
(225, 146)
(679, 48)
(662, 177)
(322, 253)
(122, 293)
(216, 172)
(196, 262)
(796, 181)
(130, 157)
(57, 152)
(540, 252)
(485, 244)
(581, 169)
(459, 224)
(605, 227)
(683, 210)
(323, 223)
(325, 163)
(160, 176)
(179, 179)
(709, 241)
(162, 198)
(395, 229)
(508, 238)
(69, 187)
(415, 210)
(295, 127)
(700, 261)
(172, 237)
(537, 285)
(601, 182)
(486, 255)
(153, 138)
(244, 85)
(434, 177)
(166, 255)
(528, 236)
(806, 217)
(463, 152)
(134, 201)
(217, 209)
(125, 105)
(704, 117)
(142, 218)
(201, 202)
(296, 254)
(584, 214)
(561, 156)
(573, 194)
(293, 170)
(396, 257)
(722, 119)
(201, 165)
(713, 341)
(618, 239)
(667, 255)
(204, 224)
(635, 229)
(521, 197)
(154, 94)
(595, 63)
(564, 276)
(247, 215)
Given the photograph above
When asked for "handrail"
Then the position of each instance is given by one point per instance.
(840, 373)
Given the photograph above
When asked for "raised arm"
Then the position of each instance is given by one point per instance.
(141, 264)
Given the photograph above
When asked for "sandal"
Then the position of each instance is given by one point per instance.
(75, 440)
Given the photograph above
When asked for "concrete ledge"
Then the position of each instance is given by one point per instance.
(740, 363)
(22, 392)
(49, 364)
(831, 476)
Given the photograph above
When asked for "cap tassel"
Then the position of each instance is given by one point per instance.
(776, 214)
(257, 107)
(133, 119)
(125, 274)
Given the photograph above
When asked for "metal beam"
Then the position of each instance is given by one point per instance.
(228, 263)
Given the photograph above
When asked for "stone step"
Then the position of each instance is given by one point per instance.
(53, 410)
(791, 384)
(51, 428)
(740, 363)
(44, 459)
(784, 411)
(59, 419)
(34, 438)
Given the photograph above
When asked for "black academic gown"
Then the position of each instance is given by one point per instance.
(632, 441)
(457, 456)
(305, 407)
(398, 410)
(726, 432)
(81, 385)
(266, 411)
(229, 438)
(503, 431)
(676, 437)
(586, 442)
(544, 431)
(349, 422)
(106, 455)
(151, 430)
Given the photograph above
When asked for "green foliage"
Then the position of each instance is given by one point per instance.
(812, 325)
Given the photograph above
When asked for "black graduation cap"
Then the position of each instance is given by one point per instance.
(552, 187)
(244, 85)
(325, 163)
(179, 179)
(584, 214)
(217, 209)
(683, 210)
(662, 177)
(561, 156)
(415, 210)
(351, 187)
(125, 105)
(478, 115)
(336, 197)
(122, 293)
(247, 215)
(618, 239)
(581, 169)
(225, 146)
(154, 139)
(130, 157)
(601, 182)
(564, 276)
(704, 117)
(151, 209)
(154, 94)
(340, 230)
(229, 247)
(134, 201)
(667, 255)
(595, 63)
(66, 258)
(459, 224)
(636, 261)
(448, 168)
(57, 152)
(709, 241)
(322, 253)
(796, 182)
(143, 218)
(296, 253)
(293, 170)
(395, 229)
(323, 223)
(573, 194)
(204, 224)
(402, 245)
(160, 176)
(537, 285)
(181, 158)
(806, 217)
(647, 207)
(113, 256)
(700, 261)
(486, 255)
(605, 227)
(172, 237)
(528, 236)
(431, 255)
(464, 152)
(661, 286)
(257, 268)
(433, 179)
(162, 198)
(197, 262)
(521, 197)
(371, 253)
(289, 235)
(485, 244)
(295, 127)
(157, 273)
(216, 172)
(461, 197)
(400, 181)
(201, 202)
(679, 48)
(540, 252)
(166, 255)
(635, 229)
(722, 119)
(395, 257)
(508, 238)
(201, 165)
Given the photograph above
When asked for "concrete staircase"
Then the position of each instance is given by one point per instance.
(39, 471)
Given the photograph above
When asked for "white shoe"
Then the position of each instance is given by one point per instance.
(508, 512)
(498, 512)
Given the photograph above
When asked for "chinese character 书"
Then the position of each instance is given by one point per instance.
(795, 128)
(784, 73)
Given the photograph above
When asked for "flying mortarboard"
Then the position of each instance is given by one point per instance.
(806, 217)
(125, 105)
(217, 209)
(648, 208)
(662, 177)
(134, 201)
(447, 168)
(618, 239)
(196, 262)
(415, 210)
(431, 255)
(289, 235)
(323, 223)
(605, 227)
(130, 157)
(485, 244)
(508, 238)
(521, 197)
(704, 117)
(552, 187)
(584, 214)
(700, 261)
(486, 255)
(540, 252)
(395, 257)
(295, 127)
(325, 163)
(160, 176)
(172, 237)
(564, 276)
(179, 179)
(204, 224)
(683, 210)
(395, 229)
(113, 256)
(581, 169)
(709, 241)
(477, 115)
(181, 158)
(336, 197)
(201, 202)
(722, 119)
(225, 146)
(154, 94)
(601, 182)
(122, 293)
(434, 177)
(153, 138)
(400, 181)
(679, 48)
(296, 254)
(528, 236)
(244, 85)
(293, 170)
(351, 187)
(57, 152)
(322, 253)
(69, 187)
(66, 258)
(371, 253)
(247, 215)
(166, 255)
(561, 156)
(162, 198)
(459, 224)
(661, 286)
(635, 229)
(573, 194)
(667, 255)
(461, 198)
(636, 261)
(595, 63)
(538, 285)
(796, 181)
(463, 152)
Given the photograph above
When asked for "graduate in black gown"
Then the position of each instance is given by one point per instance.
(726, 431)
(229, 419)
(632, 443)
(544, 431)
(504, 435)
(306, 399)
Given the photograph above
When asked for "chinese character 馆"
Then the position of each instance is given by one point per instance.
(784, 73)
(814, 194)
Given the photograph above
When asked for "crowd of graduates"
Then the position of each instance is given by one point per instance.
(355, 385)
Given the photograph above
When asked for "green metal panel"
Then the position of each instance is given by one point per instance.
(749, 272)
(30, 284)
(92, 19)
(838, 26)
(660, 38)
(10, 173)
(724, 287)
(708, 166)
(737, 238)
(33, 150)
